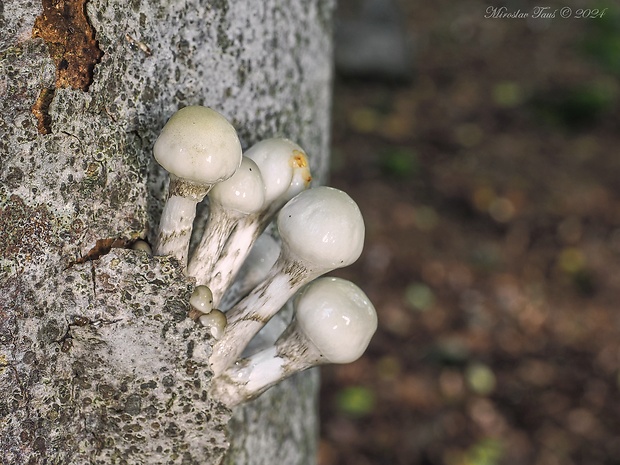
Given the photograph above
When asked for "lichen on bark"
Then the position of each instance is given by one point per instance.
(121, 371)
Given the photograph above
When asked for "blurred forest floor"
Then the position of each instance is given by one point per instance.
(490, 186)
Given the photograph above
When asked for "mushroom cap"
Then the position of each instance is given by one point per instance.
(198, 144)
(279, 159)
(244, 191)
(300, 180)
(202, 299)
(322, 226)
(337, 317)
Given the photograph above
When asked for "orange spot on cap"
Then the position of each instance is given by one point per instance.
(299, 159)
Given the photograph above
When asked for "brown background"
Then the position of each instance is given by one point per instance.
(490, 188)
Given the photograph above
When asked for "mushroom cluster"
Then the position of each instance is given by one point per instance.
(238, 268)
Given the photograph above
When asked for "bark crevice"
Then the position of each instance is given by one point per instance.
(102, 247)
(40, 110)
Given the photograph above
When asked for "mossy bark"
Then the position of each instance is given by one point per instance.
(98, 360)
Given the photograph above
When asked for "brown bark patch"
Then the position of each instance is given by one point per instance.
(63, 25)
(40, 110)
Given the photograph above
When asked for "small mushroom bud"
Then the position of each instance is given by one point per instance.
(229, 202)
(334, 322)
(142, 246)
(215, 321)
(201, 310)
(284, 170)
(202, 299)
(261, 258)
(321, 229)
(199, 148)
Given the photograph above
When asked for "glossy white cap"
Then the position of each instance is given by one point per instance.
(337, 317)
(214, 321)
(323, 226)
(281, 162)
(198, 144)
(244, 191)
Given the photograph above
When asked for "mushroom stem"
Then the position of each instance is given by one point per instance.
(231, 201)
(247, 318)
(204, 259)
(252, 376)
(334, 322)
(177, 218)
(226, 264)
(263, 255)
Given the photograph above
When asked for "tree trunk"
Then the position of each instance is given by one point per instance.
(98, 360)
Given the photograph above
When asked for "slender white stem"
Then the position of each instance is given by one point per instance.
(175, 228)
(231, 202)
(248, 317)
(207, 254)
(250, 377)
(334, 322)
(232, 256)
(177, 218)
(254, 270)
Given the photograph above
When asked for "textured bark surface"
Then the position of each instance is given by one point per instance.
(98, 362)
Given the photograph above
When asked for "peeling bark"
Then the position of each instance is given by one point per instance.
(99, 362)
(64, 26)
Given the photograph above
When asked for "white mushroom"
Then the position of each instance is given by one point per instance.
(334, 322)
(229, 202)
(199, 148)
(255, 268)
(321, 229)
(284, 169)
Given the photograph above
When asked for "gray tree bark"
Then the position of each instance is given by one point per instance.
(98, 360)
